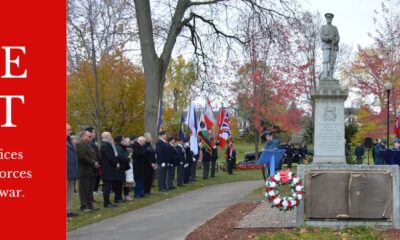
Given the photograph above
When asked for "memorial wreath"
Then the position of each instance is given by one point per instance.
(276, 200)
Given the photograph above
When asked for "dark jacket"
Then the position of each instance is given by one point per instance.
(72, 163)
(181, 154)
(214, 154)
(86, 160)
(230, 157)
(150, 156)
(189, 155)
(173, 156)
(162, 151)
(289, 151)
(95, 149)
(303, 150)
(108, 162)
(359, 151)
(206, 155)
(123, 160)
(139, 159)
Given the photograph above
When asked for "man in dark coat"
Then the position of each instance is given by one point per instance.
(95, 148)
(72, 172)
(162, 158)
(181, 162)
(206, 161)
(123, 160)
(188, 163)
(139, 153)
(172, 163)
(230, 154)
(303, 152)
(86, 165)
(359, 152)
(289, 154)
(150, 165)
(214, 158)
(110, 165)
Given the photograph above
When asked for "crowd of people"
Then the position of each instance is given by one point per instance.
(124, 164)
(378, 147)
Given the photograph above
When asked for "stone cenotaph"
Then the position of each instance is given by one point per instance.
(338, 194)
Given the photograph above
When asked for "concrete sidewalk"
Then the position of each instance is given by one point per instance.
(170, 219)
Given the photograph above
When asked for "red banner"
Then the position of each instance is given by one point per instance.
(32, 119)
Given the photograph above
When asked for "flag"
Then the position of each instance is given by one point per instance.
(224, 130)
(181, 127)
(209, 115)
(397, 127)
(221, 116)
(160, 125)
(191, 122)
(203, 134)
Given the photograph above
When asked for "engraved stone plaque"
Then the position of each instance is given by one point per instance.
(348, 195)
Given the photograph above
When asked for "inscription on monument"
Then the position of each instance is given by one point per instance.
(329, 129)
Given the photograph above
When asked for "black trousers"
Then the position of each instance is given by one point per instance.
(161, 177)
(186, 173)
(289, 161)
(85, 194)
(193, 169)
(170, 177)
(179, 175)
(148, 179)
(117, 188)
(206, 169)
(230, 166)
(107, 186)
(213, 164)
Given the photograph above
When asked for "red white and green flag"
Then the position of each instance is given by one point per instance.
(202, 132)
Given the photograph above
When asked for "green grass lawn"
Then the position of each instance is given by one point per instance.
(96, 216)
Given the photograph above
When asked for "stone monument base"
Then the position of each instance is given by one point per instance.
(341, 195)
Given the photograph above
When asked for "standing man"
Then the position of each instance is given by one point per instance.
(289, 154)
(214, 158)
(86, 164)
(271, 143)
(359, 152)
(110, 166)
(230, 157)
(95, 148)
(181, 162)
(303, 152)
(72, 172)
(139, 162)
(206, 162)
(189, 161)
(172, 163)
(150, 165)
(381, 146)
(330, 46)
(162, 160)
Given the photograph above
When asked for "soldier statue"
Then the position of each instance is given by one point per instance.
(330, 46)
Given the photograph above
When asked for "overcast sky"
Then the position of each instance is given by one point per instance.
(354, 18)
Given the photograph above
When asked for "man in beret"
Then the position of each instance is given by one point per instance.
(330, 46)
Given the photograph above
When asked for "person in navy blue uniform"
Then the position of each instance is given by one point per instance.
(359, 152)
(189, 161)
(381, 146)
(303, 151)
(162, 157)
(181, 162)
(172, 163)
(271, 143)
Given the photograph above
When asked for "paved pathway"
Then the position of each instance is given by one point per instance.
(170, 219)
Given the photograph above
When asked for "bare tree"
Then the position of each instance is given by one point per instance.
(208, 25)
(96, 28)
